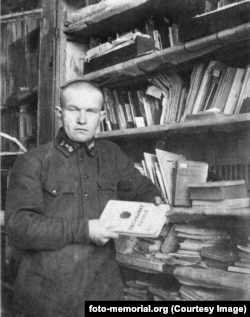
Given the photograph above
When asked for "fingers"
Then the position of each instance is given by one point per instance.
(99, 234)
(157, 200)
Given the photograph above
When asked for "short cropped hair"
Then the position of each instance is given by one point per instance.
(79, 81)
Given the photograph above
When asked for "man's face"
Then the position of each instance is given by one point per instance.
(80, 112)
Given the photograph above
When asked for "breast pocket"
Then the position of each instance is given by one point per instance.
(60, 198)
(106, 190)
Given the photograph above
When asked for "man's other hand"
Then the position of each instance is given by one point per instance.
(99, 234)
(157, 200)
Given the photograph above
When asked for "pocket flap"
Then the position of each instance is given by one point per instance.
(105, 184)
(57, 189)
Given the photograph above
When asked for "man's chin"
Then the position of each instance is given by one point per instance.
(82, 138)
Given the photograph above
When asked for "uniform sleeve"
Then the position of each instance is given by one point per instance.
(27, 225)
(132, 185)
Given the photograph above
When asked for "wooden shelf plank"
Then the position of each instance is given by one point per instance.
(173, 55)
(228, 123)
(99, 19)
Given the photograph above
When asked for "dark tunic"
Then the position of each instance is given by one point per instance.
(53, 191)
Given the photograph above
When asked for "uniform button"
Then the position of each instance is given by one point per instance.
(86, 176)
(86, 195)
(54, 191)
(81, 159)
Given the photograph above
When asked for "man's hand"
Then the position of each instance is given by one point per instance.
(157, 200)
(99, 234)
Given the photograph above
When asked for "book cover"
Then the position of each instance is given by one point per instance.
(170, 243)
(239, 269)
(166, 162)
(187, 172)
(134, 218)
(141, 262)
(218, 190)
(226, 203)
(234, 92)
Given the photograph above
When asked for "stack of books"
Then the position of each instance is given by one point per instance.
(160, 293)
(242, 265)
(211, 284)
(221, 196)
(135, 290)
(219, 256)
(190, 240)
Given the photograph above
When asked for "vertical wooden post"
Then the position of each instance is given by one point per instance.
(47, 68)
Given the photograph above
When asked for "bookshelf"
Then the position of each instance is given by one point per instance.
(175, 55)
(228, 123)
(120, 18)
(222, 141)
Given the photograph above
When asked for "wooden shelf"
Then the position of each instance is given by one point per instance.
(172, 56)
(226, 124)
(106, 22)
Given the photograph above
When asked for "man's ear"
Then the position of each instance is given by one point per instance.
(58, 111)
(103, 115)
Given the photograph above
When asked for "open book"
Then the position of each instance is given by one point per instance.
(134, 218)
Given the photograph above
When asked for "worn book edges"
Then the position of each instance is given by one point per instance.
(134, 218)
(234, 92)
(213, 278)
(170, 243)
(167, 163)
(218, 190)
(187, 172)
(226, 203)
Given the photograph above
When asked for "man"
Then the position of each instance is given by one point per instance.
(55, 197)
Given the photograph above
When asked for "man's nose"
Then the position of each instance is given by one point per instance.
(82, 117)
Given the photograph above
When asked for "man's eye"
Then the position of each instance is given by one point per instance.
(72, 109)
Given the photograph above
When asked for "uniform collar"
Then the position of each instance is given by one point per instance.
(69, 147)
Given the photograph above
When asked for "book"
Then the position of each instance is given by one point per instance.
(220, 253)
(244, 91)
(166, 162)
(187, 172)
(226, 203)
(243, 248)
(204, 86)
(139, 261)
(170, 243)
(234, 92)
(196, 78)
(238, 269)
(134, 218)
(218, 190)
(214, 278)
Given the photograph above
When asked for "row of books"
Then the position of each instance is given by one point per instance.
(128, 109)
(217, 86)
(213, 88)
(172, 174)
